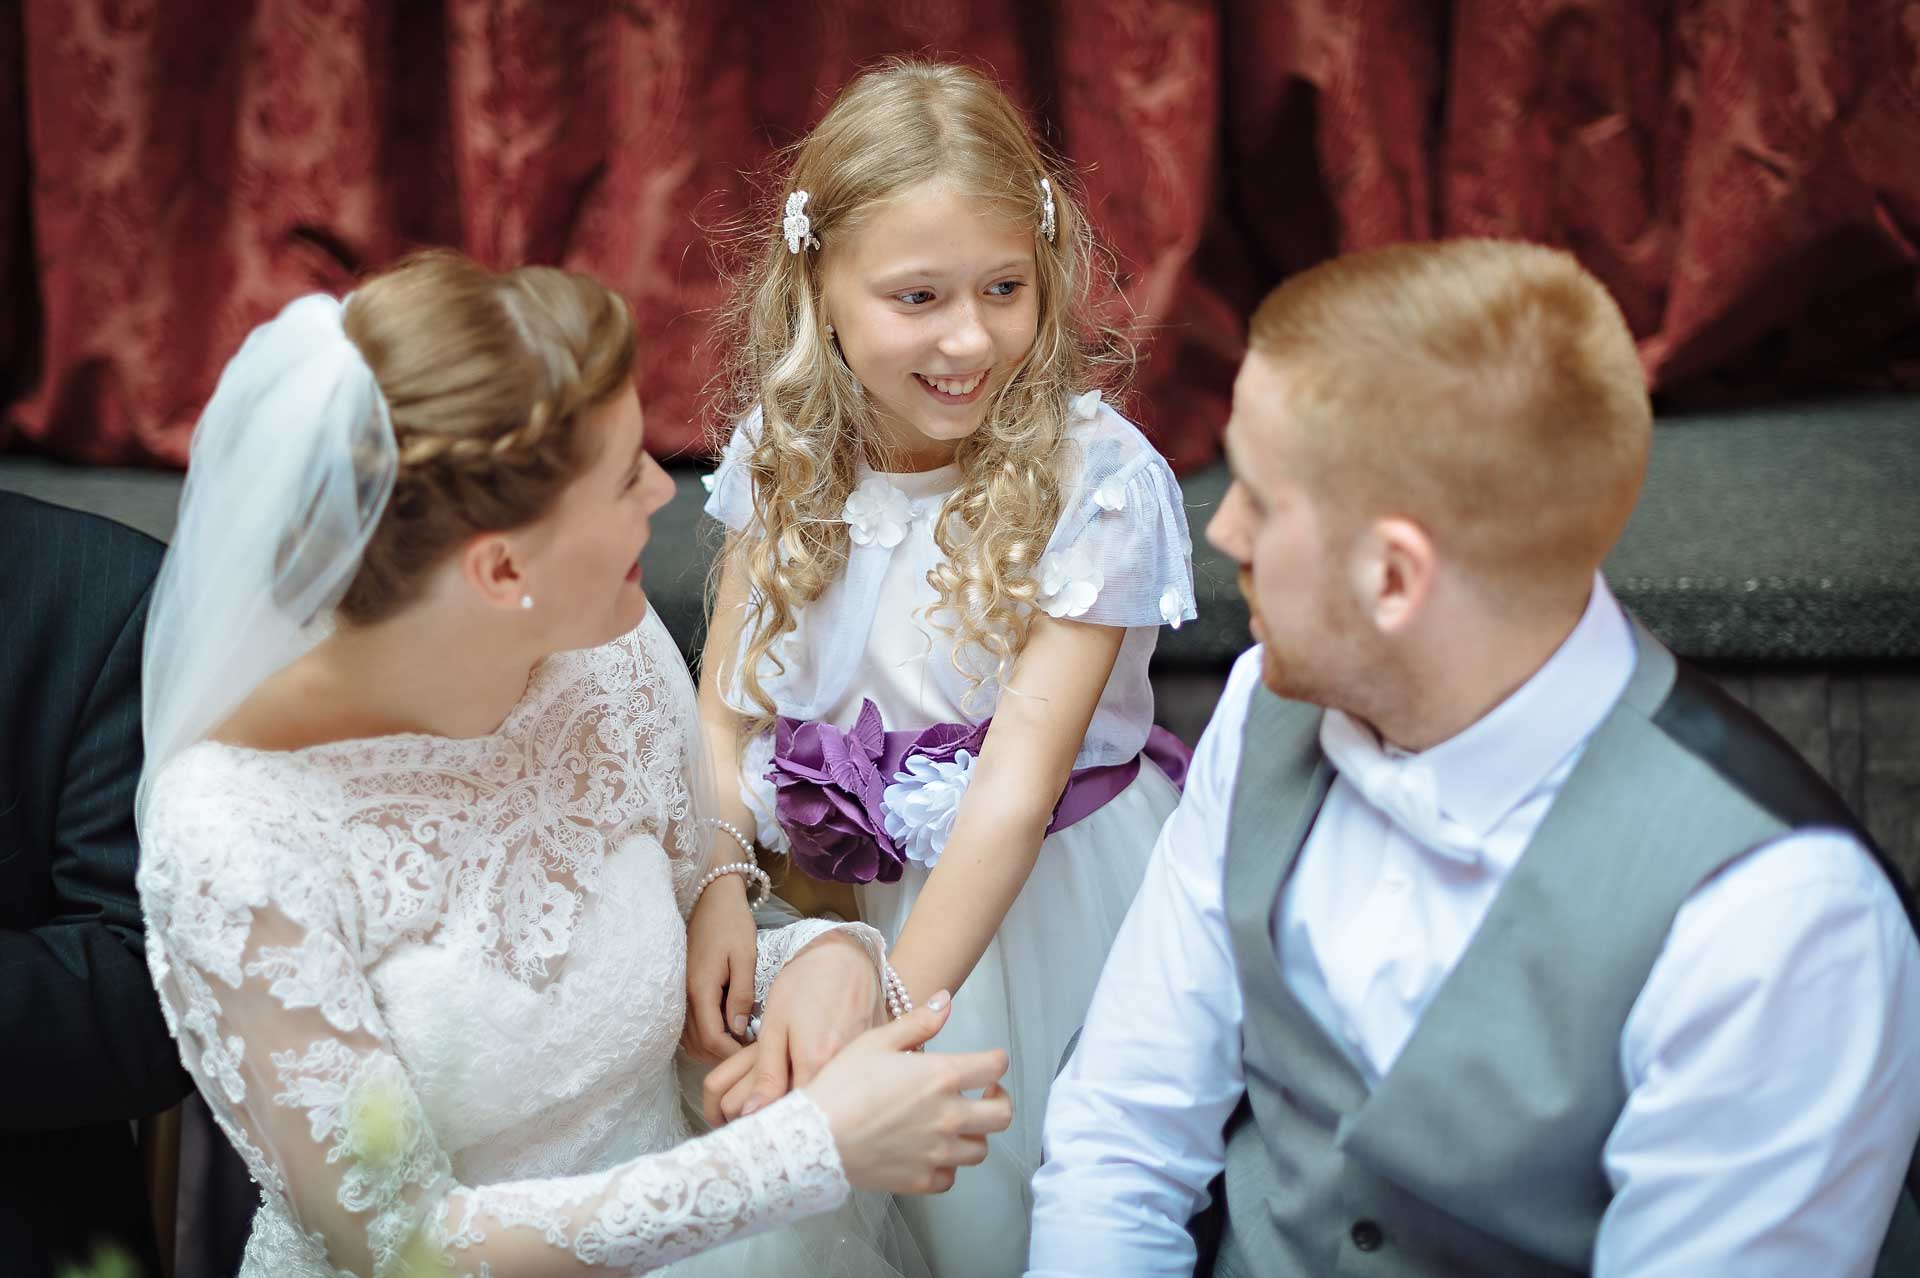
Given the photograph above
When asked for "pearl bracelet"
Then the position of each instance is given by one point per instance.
(744, 869)
(733, 831)
(898, 1002)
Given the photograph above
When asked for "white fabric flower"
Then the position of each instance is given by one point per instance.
(922, 803)
(1170, 610)
(1112, 495)
(758, 794)
(878, 513)
(1069, 582)
(1085, 407)
(709, 480)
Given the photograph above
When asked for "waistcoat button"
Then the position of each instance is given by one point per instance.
(1366, 1235)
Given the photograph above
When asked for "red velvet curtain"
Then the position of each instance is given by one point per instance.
(1744, 174)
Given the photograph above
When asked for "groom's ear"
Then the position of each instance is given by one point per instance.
(489, 564)
(1400, 563)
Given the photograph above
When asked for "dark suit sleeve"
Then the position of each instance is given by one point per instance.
(81, 1024)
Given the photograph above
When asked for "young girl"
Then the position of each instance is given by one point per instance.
(926, 672)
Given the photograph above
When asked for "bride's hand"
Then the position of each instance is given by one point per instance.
(901, 1118)
(826, 996)
(720, 962)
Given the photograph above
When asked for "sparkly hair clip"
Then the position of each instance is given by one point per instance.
(1046, 209)
(798, 228)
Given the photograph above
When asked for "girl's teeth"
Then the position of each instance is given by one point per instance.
(948, 386)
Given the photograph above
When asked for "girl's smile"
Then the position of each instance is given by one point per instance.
(962, 389)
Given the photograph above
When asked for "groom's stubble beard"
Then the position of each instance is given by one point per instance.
(1327, 654)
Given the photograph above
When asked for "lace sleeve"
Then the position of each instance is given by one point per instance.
(779, 945)
(260, 980)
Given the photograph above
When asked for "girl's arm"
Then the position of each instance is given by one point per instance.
(1038, 726)
(720, 931)
(721, 722)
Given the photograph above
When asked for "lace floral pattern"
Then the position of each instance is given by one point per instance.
(432, 988)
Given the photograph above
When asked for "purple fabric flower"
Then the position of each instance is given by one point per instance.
(827, 788)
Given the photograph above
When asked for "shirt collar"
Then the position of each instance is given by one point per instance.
(1483, 772)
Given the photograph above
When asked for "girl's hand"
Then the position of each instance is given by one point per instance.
(826, 996)
(721, 952)
(902, 1119)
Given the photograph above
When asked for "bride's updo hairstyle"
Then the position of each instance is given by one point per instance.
(486, 375)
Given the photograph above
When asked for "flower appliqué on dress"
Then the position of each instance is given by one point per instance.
(1084, 407)
(1069, 582)
(922, 803)
(1111, 496)
(877, 513)
(1171, 611)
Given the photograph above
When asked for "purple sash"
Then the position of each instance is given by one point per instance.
(829, 784)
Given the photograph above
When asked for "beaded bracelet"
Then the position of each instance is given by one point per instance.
(898, 1002)
(733, 831)
(745, 869)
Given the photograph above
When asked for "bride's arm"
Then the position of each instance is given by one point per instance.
(280, 1028)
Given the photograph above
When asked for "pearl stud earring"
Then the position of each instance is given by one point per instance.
(526, 603)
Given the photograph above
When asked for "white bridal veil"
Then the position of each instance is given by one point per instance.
(290, 468)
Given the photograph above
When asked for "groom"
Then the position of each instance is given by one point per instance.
(1487, 938)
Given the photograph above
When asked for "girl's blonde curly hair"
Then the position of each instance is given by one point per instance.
(885, 134)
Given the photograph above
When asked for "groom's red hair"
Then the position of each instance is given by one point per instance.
(1488, 390)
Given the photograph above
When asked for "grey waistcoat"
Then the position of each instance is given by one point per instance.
(1479, 1152)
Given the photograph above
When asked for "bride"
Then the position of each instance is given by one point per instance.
(421, 826)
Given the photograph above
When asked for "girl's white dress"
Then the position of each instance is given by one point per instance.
(432, 990)
(1119, 556)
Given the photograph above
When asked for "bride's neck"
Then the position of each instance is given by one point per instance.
(425, 670)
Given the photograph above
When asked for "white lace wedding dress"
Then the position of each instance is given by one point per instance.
(432, 990)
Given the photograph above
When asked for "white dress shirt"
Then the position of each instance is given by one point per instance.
(1770, 1061)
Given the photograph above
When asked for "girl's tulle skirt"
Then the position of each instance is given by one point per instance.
(866, 1238)
(1028, 994)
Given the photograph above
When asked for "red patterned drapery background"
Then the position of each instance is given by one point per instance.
(1744, 174)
